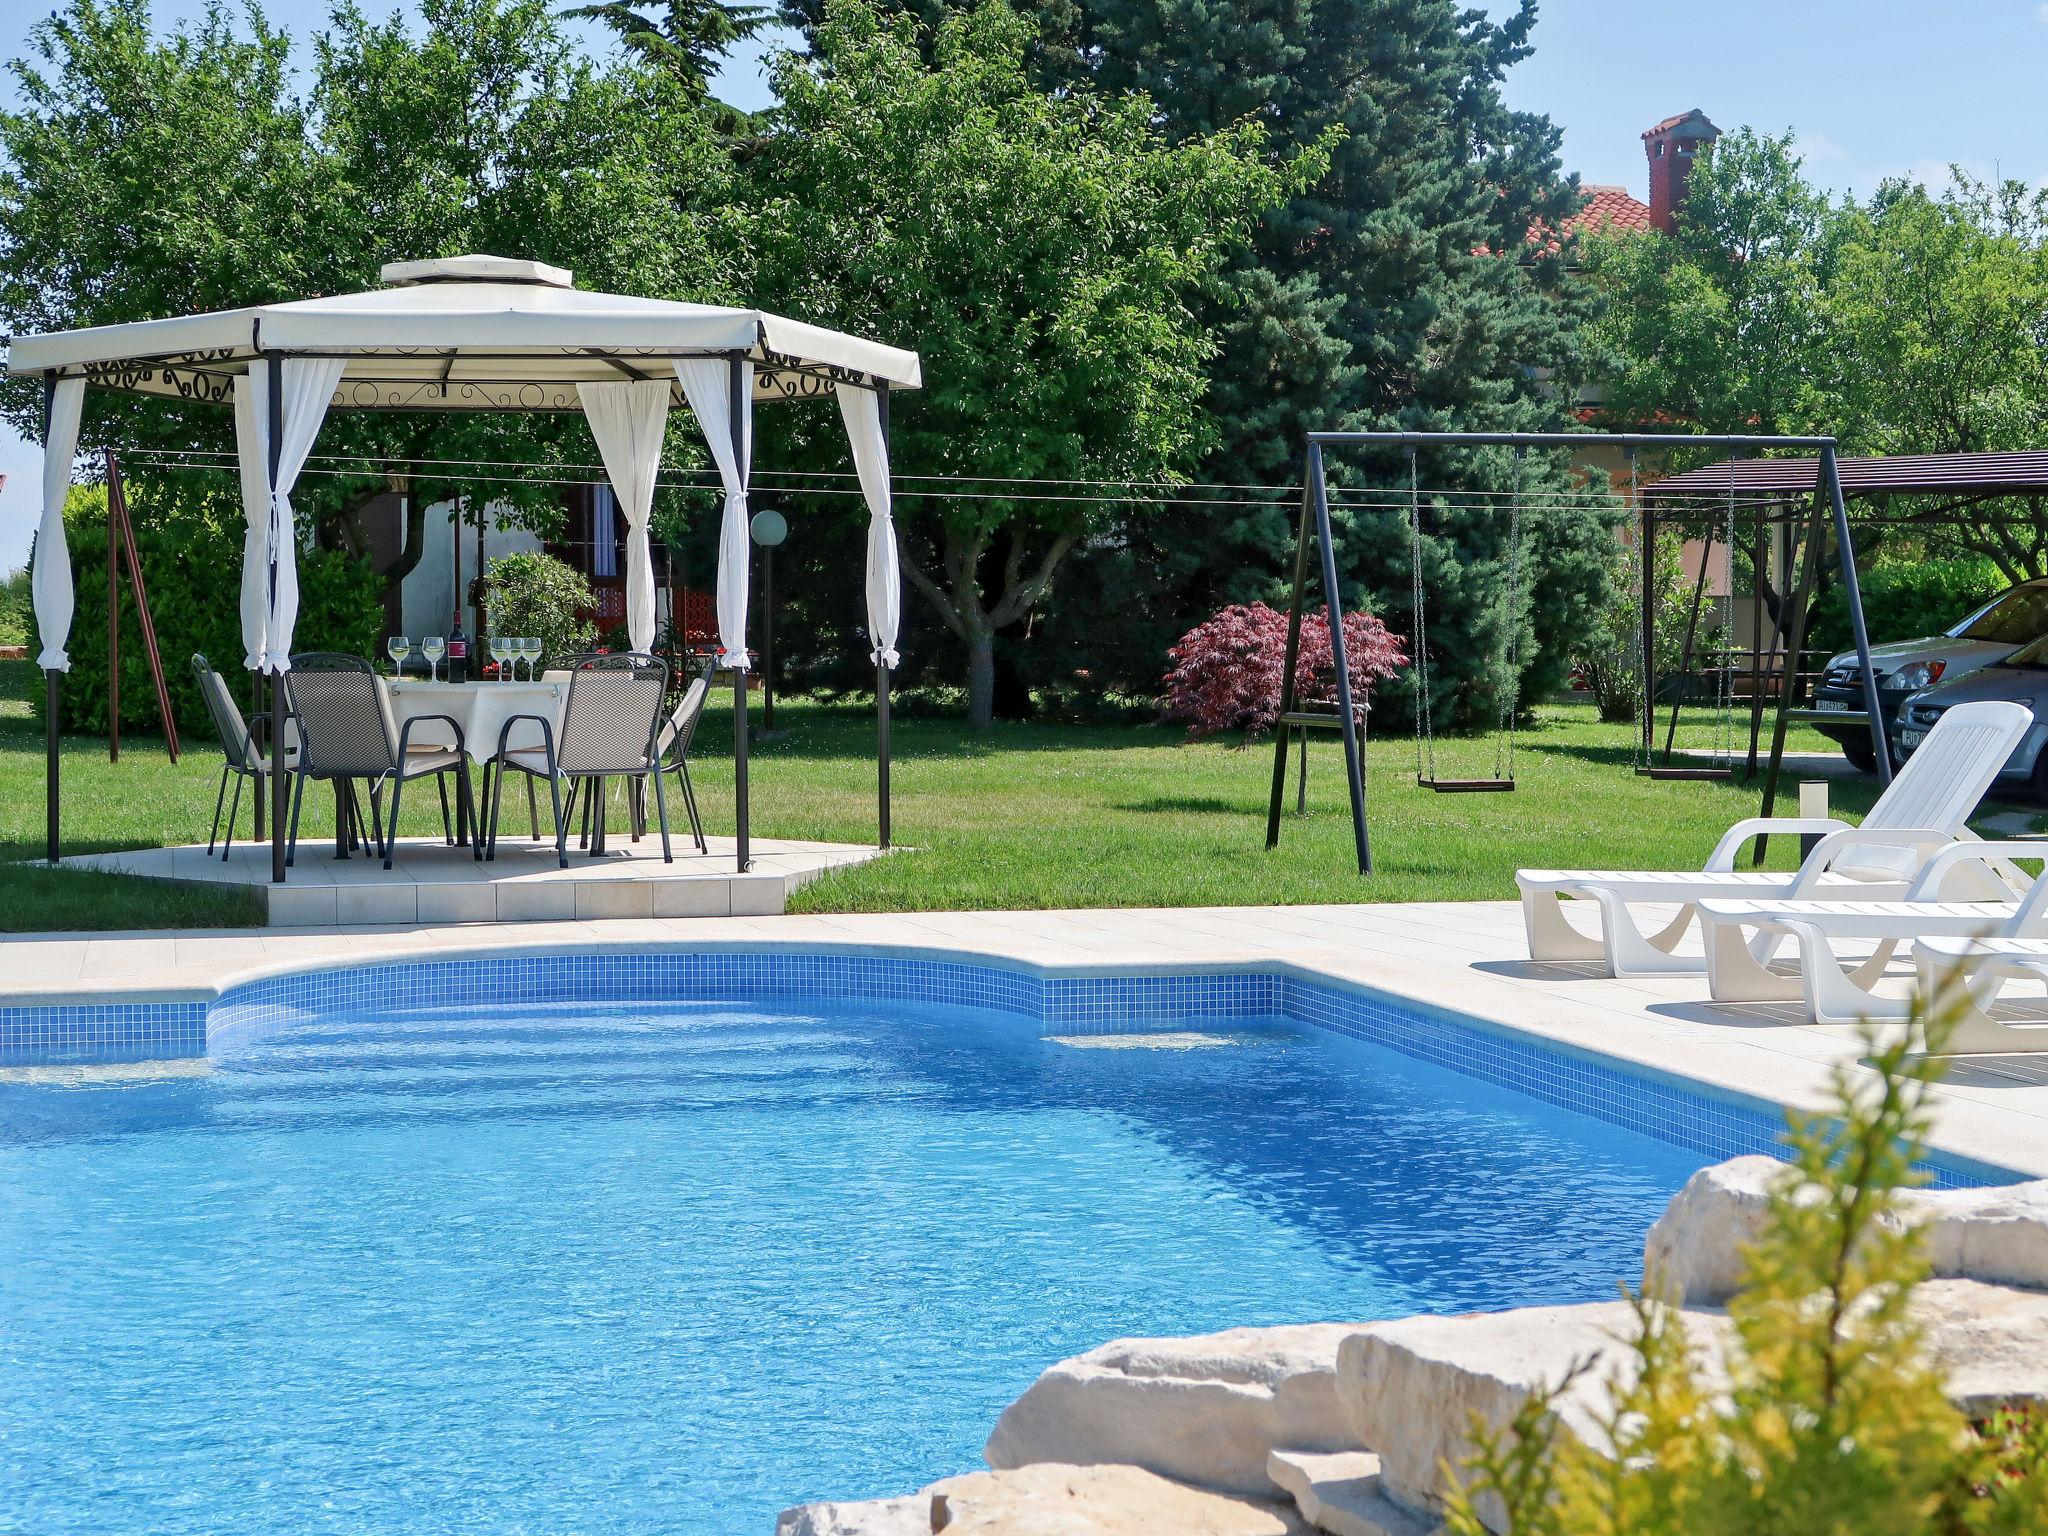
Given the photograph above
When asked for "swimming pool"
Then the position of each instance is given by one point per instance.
(425, 1247)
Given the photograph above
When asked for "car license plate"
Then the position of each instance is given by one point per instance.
(1911, 738)
(1833, 706)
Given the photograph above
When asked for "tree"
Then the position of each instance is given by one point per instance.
(688, 41)
(153, 176)
(1045, 253)
(1940, 309)
(1723, 323)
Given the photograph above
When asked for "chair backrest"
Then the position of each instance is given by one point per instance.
(236, 743)
(682, 723)
(1941, 783)
(612, 713)
(346, 726)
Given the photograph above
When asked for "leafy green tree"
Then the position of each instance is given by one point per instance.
(1938, 311)
(688, 40)
(156, 175)
(1043, 252)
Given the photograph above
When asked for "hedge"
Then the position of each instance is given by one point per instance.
(194, 573)
(1904, 599)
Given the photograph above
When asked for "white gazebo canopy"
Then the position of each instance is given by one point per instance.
(475, 333)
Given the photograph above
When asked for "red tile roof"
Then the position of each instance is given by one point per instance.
(1611, 209)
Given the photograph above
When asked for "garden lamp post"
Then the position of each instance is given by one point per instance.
(768, 528)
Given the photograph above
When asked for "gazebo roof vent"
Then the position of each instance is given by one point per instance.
(475, 269)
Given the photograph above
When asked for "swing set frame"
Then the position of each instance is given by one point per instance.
(1314, 524)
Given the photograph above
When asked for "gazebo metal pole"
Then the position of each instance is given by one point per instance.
(51, 700)
(881, 663)
(735, 383)
(274, 365)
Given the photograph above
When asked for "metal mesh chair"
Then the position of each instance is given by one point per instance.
(244, 752)
(673, 751)
(347, 731)
(609, 729)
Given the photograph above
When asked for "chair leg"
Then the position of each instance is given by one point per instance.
(690, 804)
(291, 841)
(494, 796)
(589, 789)
(447, 827)
(377, 818)
(661, 811)
(219, 800)
(532, 810)
(465, 786)
(561, 820)
(391, 822)
(234, 809)
(636, 806)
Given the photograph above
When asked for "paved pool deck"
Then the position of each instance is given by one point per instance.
(1466, 957)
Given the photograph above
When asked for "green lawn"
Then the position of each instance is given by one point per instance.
(1021, 816)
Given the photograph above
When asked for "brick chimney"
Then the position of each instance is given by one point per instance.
(1671, 146)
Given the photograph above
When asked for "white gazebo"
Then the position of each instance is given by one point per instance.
(475, 333)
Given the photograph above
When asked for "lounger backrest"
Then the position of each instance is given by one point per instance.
(1941, 783)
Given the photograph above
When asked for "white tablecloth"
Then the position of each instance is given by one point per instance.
(481, 709)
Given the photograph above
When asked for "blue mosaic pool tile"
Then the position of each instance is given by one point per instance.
(1715, 1125)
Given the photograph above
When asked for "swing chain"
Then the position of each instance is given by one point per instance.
(1425, 730)
(1511, 697)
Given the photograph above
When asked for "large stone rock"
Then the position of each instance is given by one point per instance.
(1990, 1342)
(1413, 1388)
(1341, 1495)
(1204, 1410)
(1695, 1248)
(909, 1515)
(1050, 1500)
(1998, 1235)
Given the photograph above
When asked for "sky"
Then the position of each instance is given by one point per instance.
(1872, 88)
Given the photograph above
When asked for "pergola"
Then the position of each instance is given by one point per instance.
(475, 333)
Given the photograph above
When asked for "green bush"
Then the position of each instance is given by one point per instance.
(16, 616)
(1905, 598)
(193, 567)
(536, 594)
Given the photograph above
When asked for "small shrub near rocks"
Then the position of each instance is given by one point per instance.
(1227, 670)
(1833, 1419)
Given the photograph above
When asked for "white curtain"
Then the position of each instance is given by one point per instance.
(706, 387)
(628, 421)
(270, 567)
(50, 585)
(255, 472)
(861, 409)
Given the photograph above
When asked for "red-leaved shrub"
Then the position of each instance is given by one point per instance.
(1226, 671)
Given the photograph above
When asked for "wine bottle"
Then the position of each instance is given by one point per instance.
(458, 652)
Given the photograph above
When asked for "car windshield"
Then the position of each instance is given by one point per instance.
(2016, 617)
(2035, 655)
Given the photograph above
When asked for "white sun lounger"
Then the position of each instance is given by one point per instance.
(1970, 973)
(1924, 809)
(1949, 898)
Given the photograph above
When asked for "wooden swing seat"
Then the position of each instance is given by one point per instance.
(1685, 773)
(1465, 786)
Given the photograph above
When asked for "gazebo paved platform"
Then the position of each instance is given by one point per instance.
(432, 883)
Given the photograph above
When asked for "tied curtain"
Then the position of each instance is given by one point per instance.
(861, 409)
(628, 422)
(706, 385)
(270, 544)
(50, 583)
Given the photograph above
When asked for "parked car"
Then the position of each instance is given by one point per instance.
(2021, 677)
(2018, 616)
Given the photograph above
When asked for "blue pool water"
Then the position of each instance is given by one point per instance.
(660, 1268)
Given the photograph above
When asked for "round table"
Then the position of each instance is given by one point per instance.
(481, 709)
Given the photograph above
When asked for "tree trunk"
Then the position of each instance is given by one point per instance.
(981, 677)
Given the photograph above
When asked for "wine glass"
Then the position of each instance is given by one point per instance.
(398, 647)
(531, 645)
(434, 647)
